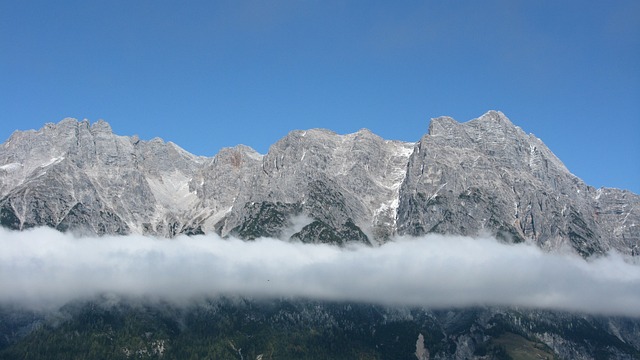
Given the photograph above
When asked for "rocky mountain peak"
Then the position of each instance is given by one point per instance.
(237, 156)
(101, 126)
(494, 116)
(442, 126)
(67, 122)
(491, 126)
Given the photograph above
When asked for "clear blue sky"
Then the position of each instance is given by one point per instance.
(211, 74)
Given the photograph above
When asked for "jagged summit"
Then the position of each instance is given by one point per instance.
(442, 125)
(494, 116)
(101, 126)
(483, 175)
(489, 120)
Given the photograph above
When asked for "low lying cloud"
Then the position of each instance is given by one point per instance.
(45, 268)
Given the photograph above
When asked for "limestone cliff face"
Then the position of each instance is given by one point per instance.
(344, 185)
(482, 176)
(488, 175)
(82, 177)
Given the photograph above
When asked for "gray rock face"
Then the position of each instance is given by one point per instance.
(482, 176)
(81, 177)
(487, 175)
(345, 185)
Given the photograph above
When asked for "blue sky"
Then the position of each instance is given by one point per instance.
(211, 74)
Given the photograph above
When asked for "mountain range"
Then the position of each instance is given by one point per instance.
(481, 177)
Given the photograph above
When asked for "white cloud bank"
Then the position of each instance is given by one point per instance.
(45, 268)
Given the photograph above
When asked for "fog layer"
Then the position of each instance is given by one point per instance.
(45, 268)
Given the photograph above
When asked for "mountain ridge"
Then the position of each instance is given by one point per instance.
(483, 175)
